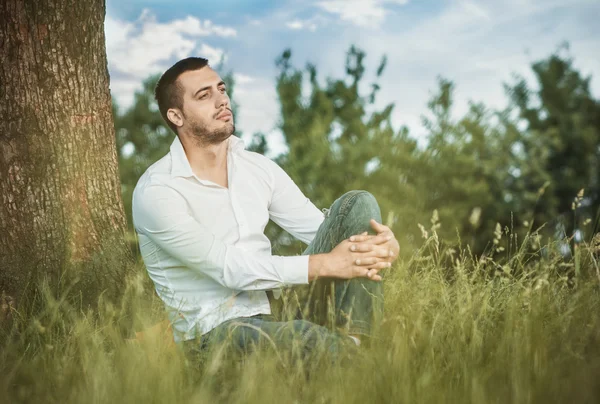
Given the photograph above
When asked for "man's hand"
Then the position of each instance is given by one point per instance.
(343, 263)
(362, 255)
(384, 239)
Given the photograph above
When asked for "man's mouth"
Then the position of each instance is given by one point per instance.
(225, 115)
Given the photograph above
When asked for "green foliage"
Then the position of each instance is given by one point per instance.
(337, 141)
(477, 171)
(561, 142)
(466, 168)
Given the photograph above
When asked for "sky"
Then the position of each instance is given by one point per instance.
(479, 45)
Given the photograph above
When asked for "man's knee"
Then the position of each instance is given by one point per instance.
(362, 203)
(357, 207)
(357, 193)
(356, 197)
(366, 198)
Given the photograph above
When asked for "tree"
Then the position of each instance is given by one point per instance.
(467, 167)
(337, 141)
(61, 212)
(560, 146)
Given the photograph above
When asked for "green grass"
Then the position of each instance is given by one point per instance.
(514, 328)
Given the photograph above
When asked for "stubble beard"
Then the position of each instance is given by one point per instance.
(204, 137)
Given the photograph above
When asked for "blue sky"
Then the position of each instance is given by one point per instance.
(477, 44)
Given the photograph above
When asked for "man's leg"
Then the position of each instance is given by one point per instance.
(296, 338)
(356, 305)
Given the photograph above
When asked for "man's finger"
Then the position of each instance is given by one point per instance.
(366, 261)
(373, 263)
(378, 227)
(361, 237)
(381, 265)
(376, 240)
(361, 247)
(372, 272)
(378, 252)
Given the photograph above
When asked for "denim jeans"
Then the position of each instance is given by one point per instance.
(321, 314)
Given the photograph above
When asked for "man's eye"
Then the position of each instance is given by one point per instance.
(203, 96)
(223, 90)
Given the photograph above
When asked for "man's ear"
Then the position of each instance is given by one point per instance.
(175, 116)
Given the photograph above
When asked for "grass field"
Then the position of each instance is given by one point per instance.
(509, 328)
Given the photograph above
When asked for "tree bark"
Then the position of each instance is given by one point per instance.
(61, 211)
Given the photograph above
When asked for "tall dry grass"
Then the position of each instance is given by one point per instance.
(514, 326)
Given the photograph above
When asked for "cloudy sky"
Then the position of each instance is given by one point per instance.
(478, 44)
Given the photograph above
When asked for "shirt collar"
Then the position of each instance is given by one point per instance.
(180, 165)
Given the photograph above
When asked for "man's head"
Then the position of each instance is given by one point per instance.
(193, 100)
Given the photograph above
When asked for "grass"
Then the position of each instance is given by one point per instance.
(510, 328)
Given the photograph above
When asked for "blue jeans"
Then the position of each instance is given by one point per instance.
(318, 316)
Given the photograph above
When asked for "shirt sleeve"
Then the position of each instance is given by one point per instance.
(291, 210)
(162, 214)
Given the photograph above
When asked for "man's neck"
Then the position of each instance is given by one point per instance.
(208, 162)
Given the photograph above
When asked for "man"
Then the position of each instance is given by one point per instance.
(200, 214)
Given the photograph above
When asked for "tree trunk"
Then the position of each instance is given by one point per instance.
(61, 211)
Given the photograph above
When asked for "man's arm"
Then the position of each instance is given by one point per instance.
(161, 213)
(290, 209)
(296, 214)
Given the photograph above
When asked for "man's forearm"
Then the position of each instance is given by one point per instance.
(317, 267)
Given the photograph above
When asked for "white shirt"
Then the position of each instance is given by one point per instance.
(204, 245)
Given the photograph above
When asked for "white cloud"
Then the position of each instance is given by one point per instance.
(364, 13)
(214, 55)
(296, 24)
(259, 110)
(189, 25)
(137, 49)
(300, 24)
(124, 90)
(241, 79)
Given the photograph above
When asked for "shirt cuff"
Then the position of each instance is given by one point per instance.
(295, 270)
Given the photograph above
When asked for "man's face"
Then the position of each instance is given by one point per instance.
(207, 114)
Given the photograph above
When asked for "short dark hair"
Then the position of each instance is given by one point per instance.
(169, 92)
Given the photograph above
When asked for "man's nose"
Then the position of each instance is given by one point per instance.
(222, 100)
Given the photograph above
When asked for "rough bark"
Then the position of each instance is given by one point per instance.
(61, 207)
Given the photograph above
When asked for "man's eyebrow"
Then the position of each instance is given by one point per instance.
(220, 83)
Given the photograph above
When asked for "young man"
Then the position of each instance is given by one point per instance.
(200, 214)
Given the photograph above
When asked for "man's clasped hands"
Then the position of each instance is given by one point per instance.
(362, 255)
